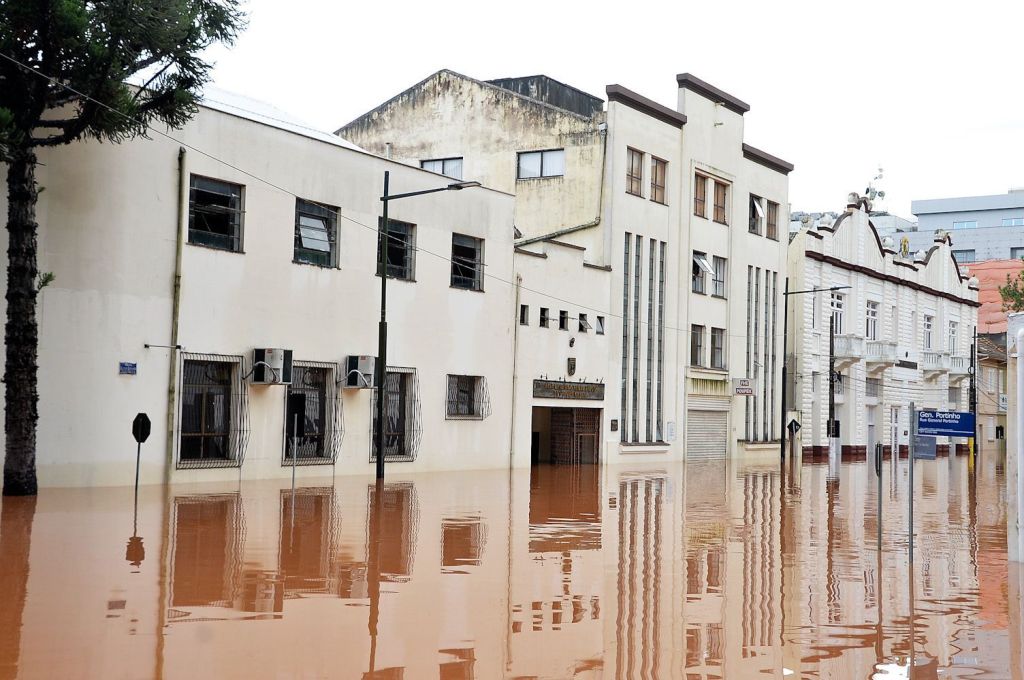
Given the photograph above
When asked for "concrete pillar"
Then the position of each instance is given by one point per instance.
(1014, 441)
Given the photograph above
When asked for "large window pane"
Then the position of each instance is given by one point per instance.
(553, 163)
(529, 165)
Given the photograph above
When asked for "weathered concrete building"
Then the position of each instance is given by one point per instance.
(903, 332)
(664, 267)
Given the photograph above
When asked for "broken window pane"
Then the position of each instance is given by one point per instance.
(467, 262)
(215, 213)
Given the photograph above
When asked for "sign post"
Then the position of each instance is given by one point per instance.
(910, 495)
(136, 552)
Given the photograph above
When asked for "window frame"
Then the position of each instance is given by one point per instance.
(239, 213)
(724, 205)
(409, 251)
(696, 345)
(965, 224)
(659, 170)
(582, 322)
(634, 161)
(235, 411)
(837, 304)
(871, 308)
(317, 211)
(700, 194)
(474, 401)
(720, 349)
(927, 328)
(700, 272)
(524, 315)
(718, 285)
(757, 215)
(443, 162)
(973, 257)
(542, 153)
(328, 434)
(477, 265)
(772, 221)
(599, 325)
(563, 319)
(953, 336)
(545, 317)
(1012, 222)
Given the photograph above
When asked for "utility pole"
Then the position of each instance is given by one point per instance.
(831, 427)
(973, 393)
(785, 338)
(382, 330)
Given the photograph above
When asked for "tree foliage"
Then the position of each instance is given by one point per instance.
(1013, 293)
(76, 53)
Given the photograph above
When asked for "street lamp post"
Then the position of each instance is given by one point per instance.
(380, 370)
(785, 344)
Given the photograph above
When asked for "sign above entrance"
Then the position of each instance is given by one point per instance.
(743, 387)
(946, 423)
(560, 389)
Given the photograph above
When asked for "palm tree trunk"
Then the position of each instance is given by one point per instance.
(21, 334)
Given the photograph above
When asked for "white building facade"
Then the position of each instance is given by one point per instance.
(903, 332)
(177, 260)
(649, 264)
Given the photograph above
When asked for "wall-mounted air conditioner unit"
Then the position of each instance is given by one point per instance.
(359, 372)
(271, 366)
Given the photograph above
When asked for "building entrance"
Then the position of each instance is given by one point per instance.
(566, 435)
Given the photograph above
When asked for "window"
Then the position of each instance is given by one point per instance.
(837, 312)
(696, 345)
(563, 320)
(465, 396)
(756, 214)
(721, 194)
(718, 277)
(401, 415)
(700, 195)
(449, 167)
(658, 168)
(206, 410)
(963, 256)
(524, 315)
(467, 262)
(773, 221)
(401, 250)
(1013, 221)
(584, 324)
(873, 387)
(215, 213)
(1017, 253)
(966, 224)
(599, 328)
(634, 172)
(717, 348)
(700, 269)
(315, 234)
(308, 406)
(929, 322)
(871, 320)
(544, 319)
(953, 329)
(533, 164)
(954, 396)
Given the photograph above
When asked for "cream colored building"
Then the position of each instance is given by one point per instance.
(903, 331)
(176, 259)
(648, 263)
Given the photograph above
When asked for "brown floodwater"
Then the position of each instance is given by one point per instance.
(712, 570)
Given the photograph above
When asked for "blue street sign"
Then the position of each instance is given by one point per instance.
(945, 423)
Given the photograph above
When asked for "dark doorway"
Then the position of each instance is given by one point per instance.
(566, 436)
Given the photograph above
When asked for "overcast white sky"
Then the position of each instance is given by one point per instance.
(931, 91)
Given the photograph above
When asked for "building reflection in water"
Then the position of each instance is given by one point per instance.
(712, 570)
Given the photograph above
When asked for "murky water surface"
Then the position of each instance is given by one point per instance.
(699, 571)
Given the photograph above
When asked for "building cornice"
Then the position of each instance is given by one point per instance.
(638, 102)
(861, 269)
(688, 81)
(766, 159)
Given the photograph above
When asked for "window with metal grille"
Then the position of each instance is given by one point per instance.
(312, 415)
(756, 215)
(400, 250)
(772, 230)
(717, 348)
(696, 345)
(467, 397)
(315, 234)
(634, 172)
(718, 277)
(721, 196)
(402, 426)
(214, 422)
(467, 262)
(658, 171)
(215, 213)
(449, 167)
(700, 195)
(536, 164)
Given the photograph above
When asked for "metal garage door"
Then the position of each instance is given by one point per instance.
(706, 434)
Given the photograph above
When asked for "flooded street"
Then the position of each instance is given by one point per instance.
(691, 572)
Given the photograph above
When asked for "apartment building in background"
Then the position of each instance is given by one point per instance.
(648, 259)
(903, 331)
(222, 282)
(992, 397)
(981, 227)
